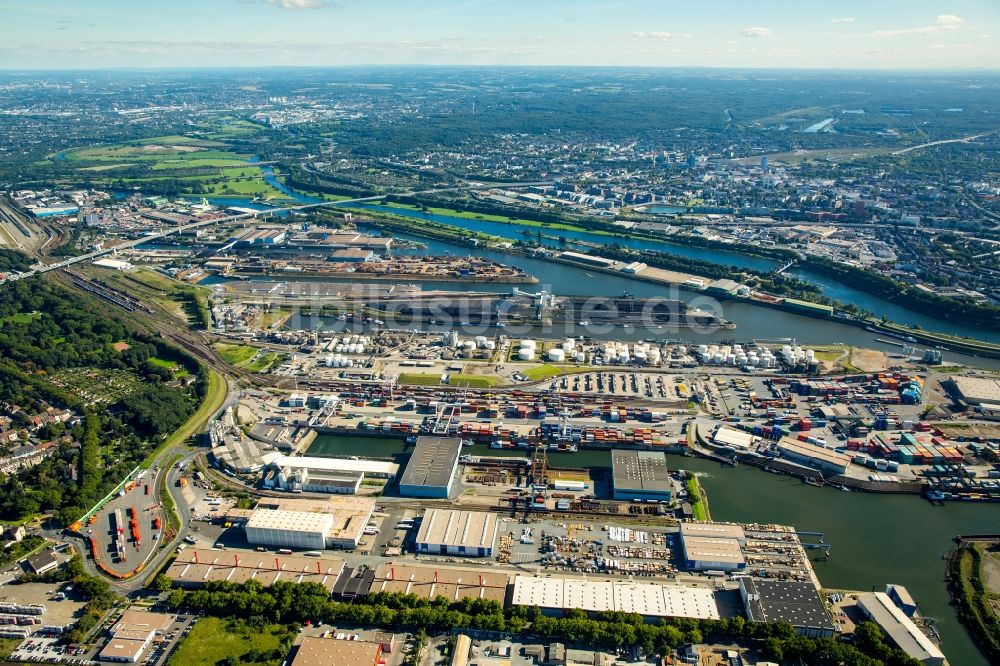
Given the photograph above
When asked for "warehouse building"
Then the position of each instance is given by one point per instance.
(902, 632)
(431, 469)
(321, 651)
(653, 601)
(132, 634)
(451, 532)
(813, 456)
(640, 476)
(712, 554)
(429, 582)
(194, 567)
(310, 524)
(715, 531)
(336, 476)
(795, 602)
(731, 438)
(974, 390)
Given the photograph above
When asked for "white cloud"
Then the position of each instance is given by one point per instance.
(846, 19)
(949, 20)
(942, 23)
(299, 4)
(663, 36)
(756, 32)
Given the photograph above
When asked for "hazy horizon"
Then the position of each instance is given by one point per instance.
(918, 35)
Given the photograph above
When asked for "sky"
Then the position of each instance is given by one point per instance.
(848, 34)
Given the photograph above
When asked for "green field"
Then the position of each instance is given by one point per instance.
(431, 379)
(469, 215)
(698, 504)
(235, 354)
(214, 641)
(181, 161)
(20, 318)
(547, 370)
(267, 362)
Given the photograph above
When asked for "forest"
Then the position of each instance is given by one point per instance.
(48, 335)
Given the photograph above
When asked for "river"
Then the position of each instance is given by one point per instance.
(829, 288)
(875, 539)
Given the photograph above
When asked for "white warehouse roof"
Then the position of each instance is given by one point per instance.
(733, 438)
(648, 599)
(333, 464)
(290, 521)
(900, 629)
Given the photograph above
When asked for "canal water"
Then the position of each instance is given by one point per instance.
(830, 288)
(752, 321)
(875, 539)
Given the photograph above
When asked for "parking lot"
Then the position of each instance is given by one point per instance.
(622, 384)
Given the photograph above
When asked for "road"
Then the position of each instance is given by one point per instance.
(243, 216)
(964, 139)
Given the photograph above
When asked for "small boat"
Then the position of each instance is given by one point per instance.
(588, 275)
(584, 323)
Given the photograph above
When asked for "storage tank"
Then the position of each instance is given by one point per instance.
(481, 341)
(640, 356)
(581, 357)
(623, 356)
(490, 344)
(557, 355)
(525, 354)
(329, 360)
(528, 344)
(569, 345)
(654, 355)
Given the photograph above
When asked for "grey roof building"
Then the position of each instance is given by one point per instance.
(431, 469)
(797, 603)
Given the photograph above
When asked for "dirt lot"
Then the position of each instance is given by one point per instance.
(869, 360)
(57, 613)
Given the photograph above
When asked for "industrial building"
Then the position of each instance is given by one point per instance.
(712, 554)
(320, 651)
(731, 438)
(814, 456)
(902, 632)
(431, 469)
(452, 584)
(310, 524)
(337, 476)
(132, 634)
(974, 390)
(451, 532)
(194, 567)
(714, 531)
(556, 595)
(640, 476)
(795, 602)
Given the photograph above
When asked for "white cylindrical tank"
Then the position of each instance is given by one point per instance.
(528, 344)
(569, 344)
(654, 355)
(581, 357)
(329, 360)
(481, 341)
(623, 356)
(350, 363)
(490, 344)
(525, 354)
(557, 355)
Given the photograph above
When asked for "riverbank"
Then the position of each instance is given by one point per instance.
(970, 587)
(946, 342)
(390, 277)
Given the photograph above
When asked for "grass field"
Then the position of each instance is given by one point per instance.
(267, 362)
(20, 318)
(431, 379)
(235, 354)
(698, 503)
(547, 370)
(186, 159)
(469, 215)
(213, 640)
